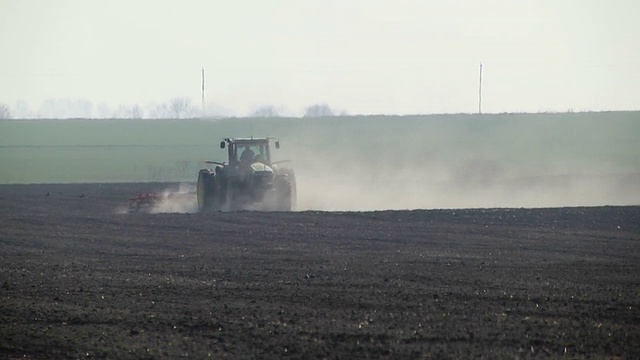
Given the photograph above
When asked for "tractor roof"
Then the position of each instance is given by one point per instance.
(247, 140)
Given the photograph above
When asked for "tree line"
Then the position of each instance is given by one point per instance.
(175, 108)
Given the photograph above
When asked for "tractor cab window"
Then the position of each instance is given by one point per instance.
(248, 154)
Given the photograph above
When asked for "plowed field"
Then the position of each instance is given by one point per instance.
(79, 279)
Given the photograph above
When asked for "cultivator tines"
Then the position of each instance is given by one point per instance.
(143, 202)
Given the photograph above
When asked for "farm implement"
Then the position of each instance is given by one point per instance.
(143, 202)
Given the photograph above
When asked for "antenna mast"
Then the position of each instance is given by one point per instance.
(203, 91)
(480, 92)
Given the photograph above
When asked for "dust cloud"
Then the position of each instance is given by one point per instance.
(454, 161)
(469, 163)
(441, 187)
(470, 184)
(182, 200)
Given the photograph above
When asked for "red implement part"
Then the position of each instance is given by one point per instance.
(143, 202)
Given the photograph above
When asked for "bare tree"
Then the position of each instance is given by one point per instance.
(318, 110)
(104, 111)
(180, 106)
(128, 112)
(158, 111)
(266, 111)
(137, 112)
(4, 112)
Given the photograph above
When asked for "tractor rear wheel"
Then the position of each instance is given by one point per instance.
(285, 192)
(206, 190)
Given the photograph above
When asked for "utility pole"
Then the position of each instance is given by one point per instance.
(203, 91)
(480, 92)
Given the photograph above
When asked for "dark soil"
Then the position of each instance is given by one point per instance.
(78, 280)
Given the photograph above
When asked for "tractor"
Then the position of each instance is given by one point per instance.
(250, 180)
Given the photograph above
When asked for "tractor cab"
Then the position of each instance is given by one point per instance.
(248, 151)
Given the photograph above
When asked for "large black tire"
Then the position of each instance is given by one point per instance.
(285, 185)
(206, 190)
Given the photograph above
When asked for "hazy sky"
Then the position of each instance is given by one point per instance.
(365, 57)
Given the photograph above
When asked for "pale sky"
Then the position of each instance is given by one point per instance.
(364, 57)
